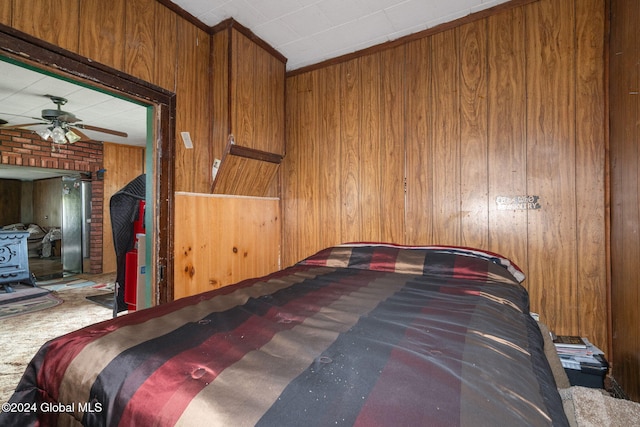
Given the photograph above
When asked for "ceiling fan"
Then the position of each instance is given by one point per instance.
(62, 126)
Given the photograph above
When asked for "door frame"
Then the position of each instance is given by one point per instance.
(30, 50)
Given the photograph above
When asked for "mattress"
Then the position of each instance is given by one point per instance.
(354, 335)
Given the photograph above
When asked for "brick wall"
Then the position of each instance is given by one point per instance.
(25, 148)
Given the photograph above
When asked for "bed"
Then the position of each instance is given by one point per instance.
(354, 335)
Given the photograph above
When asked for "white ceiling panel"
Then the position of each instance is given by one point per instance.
(23, 97)
(310, 31)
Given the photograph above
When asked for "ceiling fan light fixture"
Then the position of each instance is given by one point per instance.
(57, 135)
(72, 137)
(44, 134)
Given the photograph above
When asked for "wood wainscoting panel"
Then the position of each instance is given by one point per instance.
(221, 240)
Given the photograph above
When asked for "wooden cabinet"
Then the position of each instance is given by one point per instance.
(247, 91)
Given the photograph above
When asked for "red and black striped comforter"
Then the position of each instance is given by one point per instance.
(354, 335)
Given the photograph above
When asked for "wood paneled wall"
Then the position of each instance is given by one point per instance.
(193, 166)
(222, 240)
(414, 144)
(625, 198)
(141, 38)
(47, 202)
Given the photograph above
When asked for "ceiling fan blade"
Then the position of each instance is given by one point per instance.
(20, 115)
(99, 129)
(23, 125)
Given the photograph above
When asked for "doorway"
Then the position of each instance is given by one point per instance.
(161, 113)
(62, 213)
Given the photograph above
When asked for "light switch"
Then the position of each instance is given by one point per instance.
(186, 138)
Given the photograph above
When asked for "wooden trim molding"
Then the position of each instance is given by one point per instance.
(230, 23)
(184, 14)
(254, 154)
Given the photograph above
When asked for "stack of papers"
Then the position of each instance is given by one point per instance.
(577, 354)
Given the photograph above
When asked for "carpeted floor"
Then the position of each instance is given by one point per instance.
(28, 305)
(590, 407)
(27, 332)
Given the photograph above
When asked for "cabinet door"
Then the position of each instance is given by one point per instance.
(257, 96)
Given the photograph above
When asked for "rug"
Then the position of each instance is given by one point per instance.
(30, 305)
(21, 292)
(105, 300)
(63, 284)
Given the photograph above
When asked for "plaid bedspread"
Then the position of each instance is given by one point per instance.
(354, 335)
